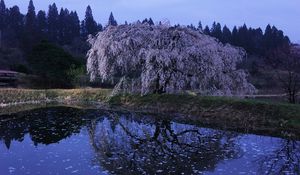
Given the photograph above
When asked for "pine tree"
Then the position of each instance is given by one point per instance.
(145, 21)
(15, 19)
(75, 24)
(89, 24)
(64, 29)
(199, 26)
(267, 39)
(30, 18)
(257, 41)
(206, 30)
(234, 36)
(53, 23)
(30, 37)
(111, 20)
(41, 21)
(226, 36)
(99, 27)
(15, 27)
(243, 38)
(3, 14)
(151, 22)
(216, 30)
(83, 31)
(148, 21)
(191, 26)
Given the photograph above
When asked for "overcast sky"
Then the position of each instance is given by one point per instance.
(284, 14)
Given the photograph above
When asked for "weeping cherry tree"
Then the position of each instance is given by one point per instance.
(162, 59)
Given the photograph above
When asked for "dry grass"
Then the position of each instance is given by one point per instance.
(8, 96)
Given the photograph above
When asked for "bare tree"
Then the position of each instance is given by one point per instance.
(283, 160)
(287, 67)
(124, 146)
(290, 79)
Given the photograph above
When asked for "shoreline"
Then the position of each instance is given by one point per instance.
(246, 115)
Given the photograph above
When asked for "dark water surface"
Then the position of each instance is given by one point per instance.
(62, 140)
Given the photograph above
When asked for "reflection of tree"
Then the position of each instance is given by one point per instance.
(13, 130)
(45, 125)
(159, 147)
(284, 160)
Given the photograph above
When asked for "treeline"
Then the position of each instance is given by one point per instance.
(253, 40)
(56, 26)
(35, 42)
(65, 28)
(49, 45)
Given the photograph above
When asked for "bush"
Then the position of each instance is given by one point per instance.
(78, 76)
(52, 64)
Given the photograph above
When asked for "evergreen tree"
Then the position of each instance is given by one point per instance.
(3, 14)
(268, 37)
(15, 27)
(243, 38)
(145, 21)
(83, 31)
(15, 19)
(199, 26)
(30, 19)
(151, 21)
(148, 21)
(41, 21)
(216, 30)
(257, 41)
(89, 24)
(191, 26)
(111, 20)
(99, 27)
(30, 37)
(75, 24)
(53, 23)
(63, 24)
(226, 37)
(234, 36)
(206, 30)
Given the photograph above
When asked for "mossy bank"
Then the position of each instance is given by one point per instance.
(278, 119)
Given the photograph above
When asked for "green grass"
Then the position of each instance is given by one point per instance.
(221, 112)
(205, 102)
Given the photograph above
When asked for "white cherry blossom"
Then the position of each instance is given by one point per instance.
(162, 59)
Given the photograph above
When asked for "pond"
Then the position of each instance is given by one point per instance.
(65, 140)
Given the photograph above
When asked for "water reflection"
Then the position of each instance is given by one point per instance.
(134, 147)
(45, 126)
(285, 159)
(136, 144)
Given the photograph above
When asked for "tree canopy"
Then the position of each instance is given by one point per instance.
(111, 20)
(254, 41)
(52, 64)
(164, 59)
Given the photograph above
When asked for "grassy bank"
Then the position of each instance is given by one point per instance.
(13, 96)
(221, 112)
(225, 113)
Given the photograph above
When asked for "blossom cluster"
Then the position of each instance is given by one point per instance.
(164, 59)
